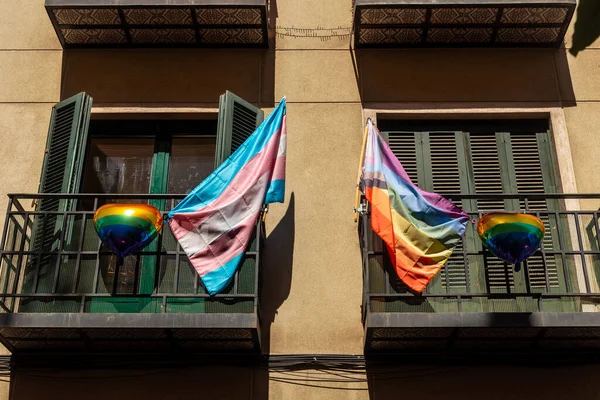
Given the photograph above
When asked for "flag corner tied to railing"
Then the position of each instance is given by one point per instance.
(420, 229)
(214, 223)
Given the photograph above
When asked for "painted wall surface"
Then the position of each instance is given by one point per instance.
(313, 268)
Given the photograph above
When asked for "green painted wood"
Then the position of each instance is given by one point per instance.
(429, 178)
(423, 165)
(433, 178)
(158, 185)
(61, 173)
(565, 270)
(509, 185)
(507, 169)
(238, 119)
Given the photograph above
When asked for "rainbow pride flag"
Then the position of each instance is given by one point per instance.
(215, 221)
(420, 229)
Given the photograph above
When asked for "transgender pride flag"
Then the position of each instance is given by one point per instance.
(420, 229)
(215, 221)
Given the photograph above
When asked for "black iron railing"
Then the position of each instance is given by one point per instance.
(53, 261)
(562, 276)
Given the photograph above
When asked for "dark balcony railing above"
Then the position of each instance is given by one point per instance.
(60, 288)
(159, 23)
(447, 23)
(477, 302)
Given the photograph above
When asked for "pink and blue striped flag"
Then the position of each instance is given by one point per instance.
(214, 223)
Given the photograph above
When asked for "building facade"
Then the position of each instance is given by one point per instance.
(494, 103)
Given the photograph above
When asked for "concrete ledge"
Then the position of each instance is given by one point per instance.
(139, 321)
(483, 320)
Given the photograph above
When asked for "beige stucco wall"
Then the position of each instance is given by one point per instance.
(313, 300)
(583, 120)
(30, 75)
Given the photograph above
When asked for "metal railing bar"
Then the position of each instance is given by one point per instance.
(166, 253)
(82, 304)
(6, 265)
(581, 251)
(479, 295)
(61, 243)
(38, 258)
(596, 225)
(19, 262)
(136, 273)
(258, 263)
(108, 253)
(78, 257)
(543, 253)
(178, 196)
(196, 275)
(177, 269)
(134, 295)
(17, 226)
(17, 204)
(471, 214)
(561, 245)
(97, 269)
(130, 196)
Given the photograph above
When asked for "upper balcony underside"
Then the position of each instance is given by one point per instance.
(457, 23)
(159, 23)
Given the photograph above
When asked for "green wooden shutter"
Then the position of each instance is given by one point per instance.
(238, 119)
(524, 165)
(61, 173)
(435, 162)
(530, 178)
(491, 175)
(449, 175)
(406, 147)
(65, 148)
(485, 161)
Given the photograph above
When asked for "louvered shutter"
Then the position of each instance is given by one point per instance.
(530, 178)
(65, 148)
(449, 175)
(238, 119)
(518, 162)
(486, 158)
(435, 161)
(61, 173)
(491, 176)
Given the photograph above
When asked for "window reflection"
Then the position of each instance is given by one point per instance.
(192, 160)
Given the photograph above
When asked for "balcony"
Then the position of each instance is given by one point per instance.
(461, 23)
(159, 23)
(478, 304)
(60, 290)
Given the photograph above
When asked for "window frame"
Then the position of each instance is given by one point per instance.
(559, 140)
(79, 129)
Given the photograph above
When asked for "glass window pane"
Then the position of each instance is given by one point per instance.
(117, 165)
(192, 160)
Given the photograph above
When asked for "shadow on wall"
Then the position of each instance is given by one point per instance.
(482, 382)
(587, 25)
(277, 271)
(170, 76)
(180, 382)
(416, 78)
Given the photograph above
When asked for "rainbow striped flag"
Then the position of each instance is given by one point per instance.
(420, 229)
(214, 223)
